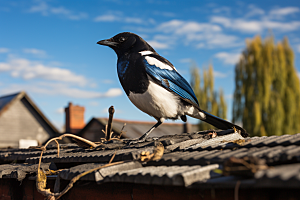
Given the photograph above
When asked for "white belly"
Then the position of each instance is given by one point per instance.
(157, 102)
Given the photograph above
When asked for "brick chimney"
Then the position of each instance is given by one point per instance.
(74, 118)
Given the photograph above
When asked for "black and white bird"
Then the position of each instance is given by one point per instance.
(154, 86)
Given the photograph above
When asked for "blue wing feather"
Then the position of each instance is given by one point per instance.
(176, 82)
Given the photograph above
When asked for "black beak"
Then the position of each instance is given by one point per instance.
(107, 42)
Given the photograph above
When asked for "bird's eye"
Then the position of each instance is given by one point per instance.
(121, 39)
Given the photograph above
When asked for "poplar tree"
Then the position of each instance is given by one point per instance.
(209, 99)
(267, 93)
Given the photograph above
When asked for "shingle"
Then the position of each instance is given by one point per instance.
(272, 155)
(22, 154)
(97, 175)
(19, 171)
(216, 141)
(279, 176)
(89, 156)
(164, 175)
(283, 140)
(184, 144)
(187, 160)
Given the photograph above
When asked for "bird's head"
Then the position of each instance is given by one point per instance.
(126, 42)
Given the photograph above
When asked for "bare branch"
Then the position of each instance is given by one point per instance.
(111, 112)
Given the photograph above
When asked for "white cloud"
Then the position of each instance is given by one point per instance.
(198, 34)
(61, 89)
(26, 69)
(222, 40)
(46, 10)
(254, 11)
(271, 20)
(60, 111)
(280, 12)
(158, 45)
(37, 52)
(228, 58)
(112, 92)
(117, 18)
(255, 25)
(180, 27)
(200, 45)
(133, 20)
(4, 50)
(107, 18)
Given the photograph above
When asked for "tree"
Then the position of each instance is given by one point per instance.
(267, 93)
(209, 100)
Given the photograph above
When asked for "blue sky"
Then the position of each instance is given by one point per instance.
(48, 48)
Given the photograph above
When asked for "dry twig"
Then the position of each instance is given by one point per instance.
(111, 112)
(41, 180)
(122, 130)
(41, 176)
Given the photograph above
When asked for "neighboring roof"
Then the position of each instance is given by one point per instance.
(7, 101)
(191, 160)
(134, 129)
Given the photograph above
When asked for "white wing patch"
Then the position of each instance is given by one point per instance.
(157, 63)
(144, 53)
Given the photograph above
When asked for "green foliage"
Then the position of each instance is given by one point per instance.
(209, 100)
(267, 93)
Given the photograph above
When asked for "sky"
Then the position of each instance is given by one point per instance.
(48, 48)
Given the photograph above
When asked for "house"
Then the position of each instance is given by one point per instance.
(21, 121)
(132, 129)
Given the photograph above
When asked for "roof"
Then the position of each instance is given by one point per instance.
(7, 101)
(192, 160)
(135, 129)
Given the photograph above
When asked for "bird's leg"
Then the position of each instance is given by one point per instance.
(143, 137)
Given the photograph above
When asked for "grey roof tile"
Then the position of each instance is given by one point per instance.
(216, 141)
(283, 140)
(89, 156)
(184, 144)
(97, 175)
(272, 155)
(22, 154)
(19, 171)
(164, 175)
(182, 161)
(279, 176)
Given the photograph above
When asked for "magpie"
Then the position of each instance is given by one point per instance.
(154, 85)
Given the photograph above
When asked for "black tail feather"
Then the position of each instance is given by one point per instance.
(223, 124)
